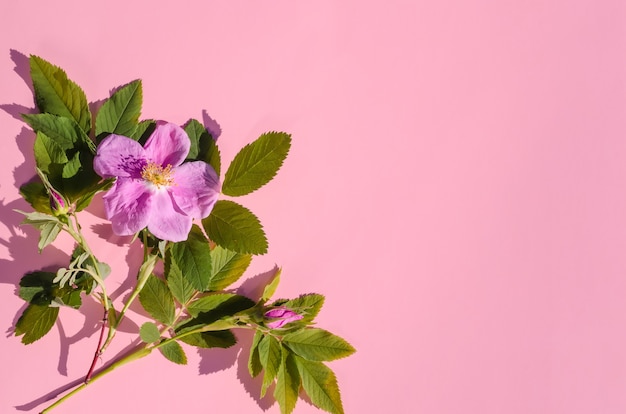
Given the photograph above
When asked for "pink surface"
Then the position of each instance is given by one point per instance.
(456, 188)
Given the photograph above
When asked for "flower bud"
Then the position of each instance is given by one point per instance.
(280, 317)
(57, 203)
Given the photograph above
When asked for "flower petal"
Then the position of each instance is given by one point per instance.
(168, 145)
(167, 222)
(128, 206)
(119, 156)
(196, 188)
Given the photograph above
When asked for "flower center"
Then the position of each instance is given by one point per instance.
(157, 175)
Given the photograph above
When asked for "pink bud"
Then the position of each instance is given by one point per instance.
(57, 203)
(281, 316)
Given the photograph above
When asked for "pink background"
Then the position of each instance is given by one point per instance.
(456, 188)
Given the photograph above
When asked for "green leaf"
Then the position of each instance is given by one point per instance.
(63, 131)
(256, 164)
(254, 362)
(227, 267)
(174, 352)
(270, 358)
(87, 195)
(317, 344)
(203, 146)
(308, 305)
(157, 300)
(35, 322)
(120, 113)
(49, 233)
(49, 154)
(149, 333)
(193, 258)
(210, 339)
(36, 195)
(287, 383)
(271, 287)
(35, 287)
(56, 94)
(207, 310)
(179, 286)
(194, 130)
(320, 384)
(211, 302)
(234, 227)
(143, 131)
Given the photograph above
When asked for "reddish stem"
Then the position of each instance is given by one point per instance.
(98, 352)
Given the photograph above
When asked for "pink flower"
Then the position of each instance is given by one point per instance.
(281, 316)
(153, 187)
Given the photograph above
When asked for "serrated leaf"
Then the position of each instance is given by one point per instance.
(227, 267)
(317, 344)
(58, 95)
(308, 305)
(48, 153)
(35, 322)
(207, 311)
(256, 164)
(235, 228)
(270, 358)
(72, 166)
(179, 286)
(211, 302)
(49, 233)
(157, 300)
(193, 258)
(37, 219)
(271, 287)
(203, 146)
(87, 195)
(320, 384)
(63, 131)
(149, 333)
(36, 195)
(174, 352)
(120, 113)
(210, 339)
(194, 130)
(35, 287)
(143, 131)
(254, 362)
(287, 383)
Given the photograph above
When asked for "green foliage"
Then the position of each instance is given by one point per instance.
(287, 383)
(36, 287)
(203, 146)
(143, 131)
(226, 267)
(271, 287)
(235, 228)
(254, 361)
(308, 305)
(120, 113)
(179, 286)
(36, 195)
(48, 225)
(317, 344)
(320, 384)
(212, 308)
(35, 322)
(210, 339)
(193, 259)
(56, 94)
(174, 352)
(149, 333)
(256, 164)
(157, 300)
(270, 357)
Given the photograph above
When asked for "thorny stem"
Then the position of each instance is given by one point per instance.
(137, 353)
(98, 352)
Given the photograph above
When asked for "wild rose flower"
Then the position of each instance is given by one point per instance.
(153, 187)
(281, 316)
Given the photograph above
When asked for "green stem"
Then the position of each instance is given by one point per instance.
(144, 273)
(137, 354)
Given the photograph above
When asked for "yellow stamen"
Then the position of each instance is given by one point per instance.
(157, 175)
